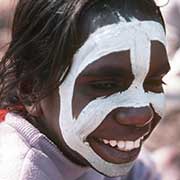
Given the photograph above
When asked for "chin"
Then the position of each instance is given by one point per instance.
(116, 171)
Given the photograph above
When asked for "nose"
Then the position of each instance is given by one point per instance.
(138, 117)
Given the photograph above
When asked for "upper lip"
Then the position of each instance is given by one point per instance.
(129, 134)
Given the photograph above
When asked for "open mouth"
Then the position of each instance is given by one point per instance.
(116, 151)
(124, 145)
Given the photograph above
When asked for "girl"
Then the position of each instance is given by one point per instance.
(81, 89)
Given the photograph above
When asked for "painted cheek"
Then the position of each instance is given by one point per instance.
(79, 102)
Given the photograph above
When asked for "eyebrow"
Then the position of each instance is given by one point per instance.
(106, 71)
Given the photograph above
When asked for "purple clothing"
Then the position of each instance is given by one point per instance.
(27, 154)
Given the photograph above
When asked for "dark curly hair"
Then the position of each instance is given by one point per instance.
(45, 35)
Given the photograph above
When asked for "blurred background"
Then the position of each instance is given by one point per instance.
(164, 143)
(6, 14)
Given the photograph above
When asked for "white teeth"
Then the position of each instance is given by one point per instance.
(124, 145)
(129, 145)
(137, 143)
(105, 141)
(121, 144)
(113, 143)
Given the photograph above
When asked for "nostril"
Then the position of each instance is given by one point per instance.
(138, 117)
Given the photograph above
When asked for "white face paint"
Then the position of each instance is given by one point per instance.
(135, 36)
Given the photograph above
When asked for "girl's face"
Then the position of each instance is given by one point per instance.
(112, 97)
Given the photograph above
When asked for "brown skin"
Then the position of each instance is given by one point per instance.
(110, 74)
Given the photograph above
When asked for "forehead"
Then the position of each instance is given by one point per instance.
(135, 36)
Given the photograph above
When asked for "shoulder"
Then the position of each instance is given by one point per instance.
(21, 156)
(13, 149)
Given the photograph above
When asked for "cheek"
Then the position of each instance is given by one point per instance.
(79, 101)
(156, 120)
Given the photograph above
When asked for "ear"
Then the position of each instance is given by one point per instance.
(34, 109)
(25, 88)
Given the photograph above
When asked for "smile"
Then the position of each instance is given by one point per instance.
(116, 151)
(124, 145)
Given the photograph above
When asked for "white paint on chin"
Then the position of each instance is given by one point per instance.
(135, 36)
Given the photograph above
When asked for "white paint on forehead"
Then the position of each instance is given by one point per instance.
(135, 36)
(117, 37)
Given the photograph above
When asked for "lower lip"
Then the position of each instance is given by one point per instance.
(111, 154)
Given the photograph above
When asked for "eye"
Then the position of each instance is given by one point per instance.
(105, 85)
(102, 86)
(154, 85)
